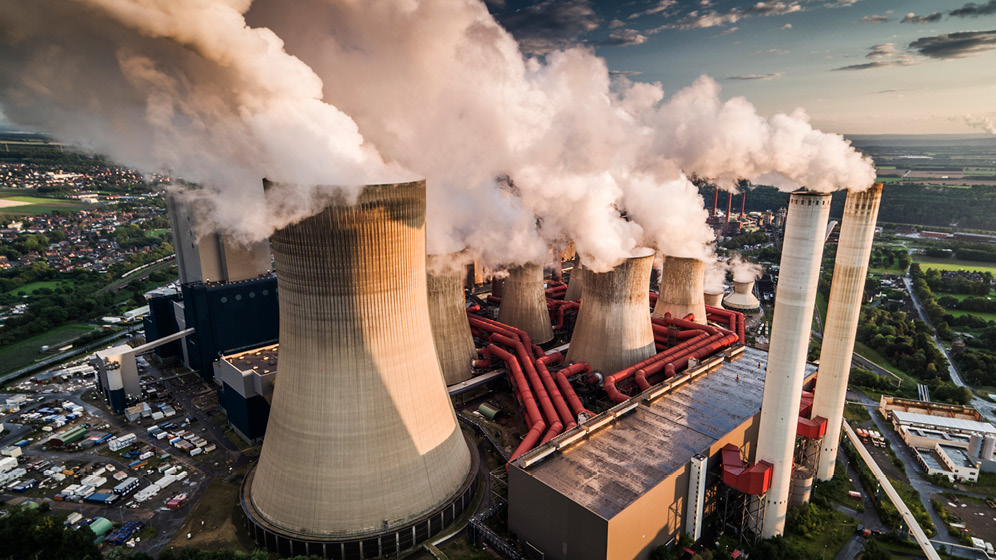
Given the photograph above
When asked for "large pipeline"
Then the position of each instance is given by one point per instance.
(533, 417)
(538, 387)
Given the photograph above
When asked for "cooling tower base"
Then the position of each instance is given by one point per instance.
(389, 542)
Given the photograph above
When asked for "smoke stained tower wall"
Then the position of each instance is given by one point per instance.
(448, 314)
(857, 231)
(795, 297)
(613, 328)
(682, 289)
(362, 438)
(523, 302)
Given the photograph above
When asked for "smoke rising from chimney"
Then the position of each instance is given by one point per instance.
(519, 153)
(743, 270)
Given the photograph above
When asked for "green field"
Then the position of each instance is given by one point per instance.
(31, 288)
(159, 232)
(983, 316)
(885, 167)
(39, 205)
(979, 171)
(28, 351)
(954, 264)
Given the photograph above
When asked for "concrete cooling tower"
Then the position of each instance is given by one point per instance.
(682, 289)
(795, 297)
(857, 231)
(363, 455)
(523, 303)
(742, 298)
(448, 314)
(613, 327)
(576, 282)
(713, 298)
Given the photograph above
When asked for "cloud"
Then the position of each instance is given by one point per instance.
(956, 45)
(658, 7)
(748, 77)
(712, 18)
(787, 26)
(883, 55)
(616, 23)
(730, 31)
(625, 73)
(624, 38)
(975, 10)
(844, 3)
(883, 50)
(913, 18)
(982, 123)
(874, 19)
(550, 24)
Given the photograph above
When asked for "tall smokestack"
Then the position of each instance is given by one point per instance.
(613, 327)
(523, 303)
(846, 291)
(682, 289)
(362, 441)
(729, 209)
(448, 315)
(802, 251)
(715, 201)
(743, 204)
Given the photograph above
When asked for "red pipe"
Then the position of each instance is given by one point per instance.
(563, 376)
(493, 299)
(546, 405)
(507, 330)
(561, 309)
(653, 298)
(551, 387)
(474, 308)
(734, 319)
(533, 416)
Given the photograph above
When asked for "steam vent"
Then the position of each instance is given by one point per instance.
(450, 329)
(523, 303)
(682, 289)
(362, 455)
(613, 327)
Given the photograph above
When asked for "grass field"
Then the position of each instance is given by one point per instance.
(954, 264)
(219, 508)
(28, 351)
(38, 205)
(983, 316)
(880, 360)
(31, 288)
(159, 232)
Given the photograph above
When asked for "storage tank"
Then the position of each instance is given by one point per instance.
(975, 445)
(613, 327)
(795, 297)
(362, 444)
(988, 448)
(742, 298)
(682, 289)
(448, 314)
(847, 288)
(523, 303)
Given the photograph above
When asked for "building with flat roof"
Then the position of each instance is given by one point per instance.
(618, 485)
(245, 386)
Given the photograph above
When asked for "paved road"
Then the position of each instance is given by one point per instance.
(983, 406)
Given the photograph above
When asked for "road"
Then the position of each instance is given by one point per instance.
(66, 355)
(983, 406)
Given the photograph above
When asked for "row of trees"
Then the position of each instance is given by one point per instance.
(905, 343)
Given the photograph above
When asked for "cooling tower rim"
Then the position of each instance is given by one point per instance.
(462, 497)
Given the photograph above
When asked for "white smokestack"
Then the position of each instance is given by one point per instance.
(795, 297)
(682, 289)
(613, 328)
(857, 231)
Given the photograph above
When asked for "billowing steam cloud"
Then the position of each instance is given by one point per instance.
(520, 153)
(982, 123)
(743, 270)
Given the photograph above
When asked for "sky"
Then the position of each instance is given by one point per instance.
(855, 66)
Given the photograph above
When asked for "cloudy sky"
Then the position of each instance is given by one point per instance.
(856, 66)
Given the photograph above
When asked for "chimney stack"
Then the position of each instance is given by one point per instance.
(613, 327)
(448, 315)
(362, 444)
(795, 297)
(523, 302)
(843, 310)
(682, 289)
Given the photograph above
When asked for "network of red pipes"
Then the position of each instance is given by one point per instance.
(550, 403)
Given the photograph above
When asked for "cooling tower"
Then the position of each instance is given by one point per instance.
(713, 298)
(448, 314)
(613, 328)
(795, 297)
(362, 447)
(682, 289)
(742, 298)
(843, 310)
(523, 303)
(576, 282)
(212, 257)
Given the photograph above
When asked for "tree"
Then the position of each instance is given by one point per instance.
(27, 533)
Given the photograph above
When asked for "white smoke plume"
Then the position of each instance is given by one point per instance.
(519, 153)
(982, 123)
(715, 276)
(743, 270)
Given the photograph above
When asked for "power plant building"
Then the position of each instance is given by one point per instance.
(245, 382)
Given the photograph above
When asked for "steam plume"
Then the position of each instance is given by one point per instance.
(743, 270)
(519, 153)
(982, 123)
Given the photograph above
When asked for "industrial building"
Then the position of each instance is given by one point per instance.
(246, 382)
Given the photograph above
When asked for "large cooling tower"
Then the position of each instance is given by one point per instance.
(713, 297)
(682, 289)
(523, 303)
(448, 314)
(742, 298)
(212, 257)
(846, 291)
(795, 297)
(575, 283)
(613, 327)
(362, 447)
